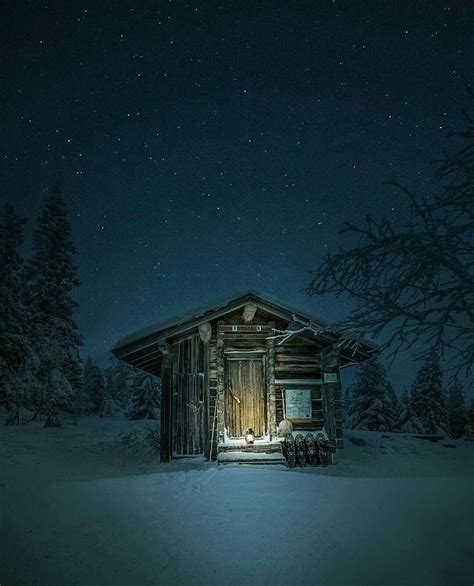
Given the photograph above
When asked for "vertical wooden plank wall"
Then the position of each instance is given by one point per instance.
(188, 396)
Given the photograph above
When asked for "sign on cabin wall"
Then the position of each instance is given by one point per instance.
(298, 405)
(330, 377)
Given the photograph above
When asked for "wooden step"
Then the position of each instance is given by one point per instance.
(258, 448)
(241, 457)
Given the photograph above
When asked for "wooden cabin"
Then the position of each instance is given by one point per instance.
(223, 371)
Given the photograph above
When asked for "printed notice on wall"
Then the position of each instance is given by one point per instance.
(298, 405)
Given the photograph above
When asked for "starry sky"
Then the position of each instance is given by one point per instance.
(208, 147)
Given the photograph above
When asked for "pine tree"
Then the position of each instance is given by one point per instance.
(427, 394)
(118, 391)
(396, 407)
(92, 388)
(469, 427)
(372, 407)
(50, 277)
(16, 355)
(470, 413)
(408, 422)
(146, 398)
(456, 412)
(59, 394)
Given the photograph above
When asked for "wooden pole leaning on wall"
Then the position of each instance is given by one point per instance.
(220, 399)
(205, 333)
(211, 445)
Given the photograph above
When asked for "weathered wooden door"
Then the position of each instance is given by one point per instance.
(188, 415)
(188, 397)
(245, 397)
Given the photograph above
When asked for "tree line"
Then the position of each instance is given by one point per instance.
(41, 370)
(119, 390)
(428, 407)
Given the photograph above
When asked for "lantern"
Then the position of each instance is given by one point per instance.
(250, 436)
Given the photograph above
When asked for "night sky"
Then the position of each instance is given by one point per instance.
(205, 147)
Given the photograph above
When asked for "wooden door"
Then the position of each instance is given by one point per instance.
(245, 397)
(188, 415)
(188, 392)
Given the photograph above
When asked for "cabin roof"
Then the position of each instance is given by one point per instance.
(146, 342)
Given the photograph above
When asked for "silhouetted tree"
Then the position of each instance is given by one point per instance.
(17, 359)
(427, 395)
(50, 277)
(415, 283)
(456, 410)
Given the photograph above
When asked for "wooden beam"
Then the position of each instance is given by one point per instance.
(166, 408)
(298, 381)
(146, 363)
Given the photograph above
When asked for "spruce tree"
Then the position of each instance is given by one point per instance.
(470, 413)
(469, 427)
(16, 355)
(92, 388)
(428, 400)
(146, 398)
(50, 277)
(118, 389)
(396, 407)
(408, 422)
(371, 408)
(456, 410)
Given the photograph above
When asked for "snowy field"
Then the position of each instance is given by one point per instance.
(89, 504)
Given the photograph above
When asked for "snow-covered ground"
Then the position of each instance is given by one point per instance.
(89, 504)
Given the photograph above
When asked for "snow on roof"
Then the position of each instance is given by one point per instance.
(235, 300)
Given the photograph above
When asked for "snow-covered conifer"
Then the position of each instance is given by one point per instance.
(146, 398)
(371, 407)
(428, 400)
(118, 389)
(456, 410)
(92, 390)
(470, 413)
(16, 355)
(50, 277)
(408, 422)
(59, 395)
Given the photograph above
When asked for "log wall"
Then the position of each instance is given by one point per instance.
(299, 360)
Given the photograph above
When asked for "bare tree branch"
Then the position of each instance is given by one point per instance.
(415, 285)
